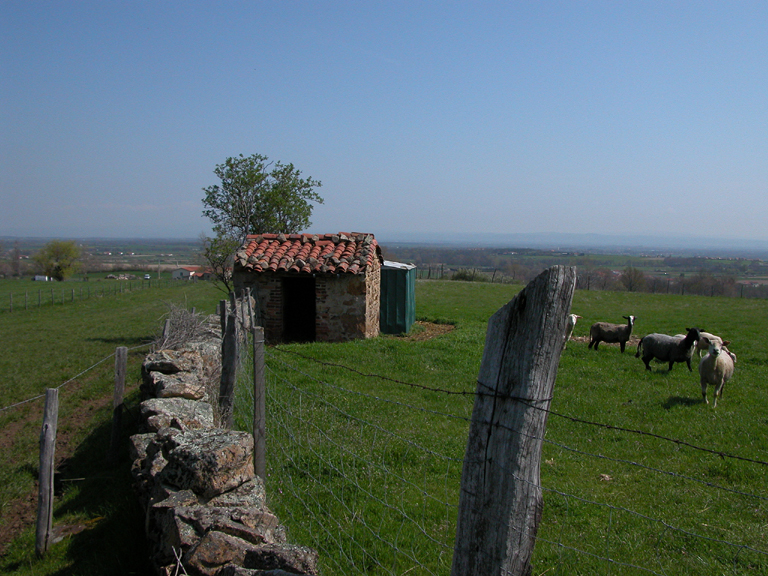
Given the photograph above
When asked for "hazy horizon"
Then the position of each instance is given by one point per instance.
(596, 243)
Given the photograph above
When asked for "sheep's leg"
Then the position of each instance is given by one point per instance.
(704, 392)
(647, 363)
(621, 345)
(671, 363)
(688, 361)
(718, 392)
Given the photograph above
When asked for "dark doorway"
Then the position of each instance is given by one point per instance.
(299, 309)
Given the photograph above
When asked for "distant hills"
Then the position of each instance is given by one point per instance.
(594, 243)
(599, 243)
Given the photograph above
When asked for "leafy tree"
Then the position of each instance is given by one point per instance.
(58, 259)
(218, 253)
(258, 196)
(633, 279)
(255, 196)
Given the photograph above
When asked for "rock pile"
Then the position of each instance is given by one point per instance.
(205, 508)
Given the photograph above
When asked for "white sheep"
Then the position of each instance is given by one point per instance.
(702, 345)
(611, 333)
(668, 348)
(715, 369)
(572, 318)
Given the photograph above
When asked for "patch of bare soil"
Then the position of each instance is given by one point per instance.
(427, 330)
(633, 340)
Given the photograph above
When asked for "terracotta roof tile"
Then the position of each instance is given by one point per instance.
(350, 253)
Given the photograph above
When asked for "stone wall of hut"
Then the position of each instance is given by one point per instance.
(346, 305)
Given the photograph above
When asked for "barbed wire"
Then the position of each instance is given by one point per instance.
(329, 528)
(552, 442)
(531, 402)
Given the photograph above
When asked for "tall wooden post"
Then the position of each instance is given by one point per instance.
(229, 355)
(121, 367)
(47, 452)
(259, 406)
(500, 504)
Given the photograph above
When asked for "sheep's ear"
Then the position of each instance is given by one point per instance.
(726, 342)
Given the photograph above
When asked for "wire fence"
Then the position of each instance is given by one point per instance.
(70, 292)
(367, 470)
(73, 379)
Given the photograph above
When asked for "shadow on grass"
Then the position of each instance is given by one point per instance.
(674, 401)
(123, 341)
(99, 511)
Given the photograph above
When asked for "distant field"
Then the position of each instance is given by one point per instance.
(24, 294)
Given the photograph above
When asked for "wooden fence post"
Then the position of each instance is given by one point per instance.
(228, 366)
(500, 503)
(47, 452)
(166, 330)
(121, 367)
(259, 406)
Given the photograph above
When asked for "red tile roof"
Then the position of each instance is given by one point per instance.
(350, 253)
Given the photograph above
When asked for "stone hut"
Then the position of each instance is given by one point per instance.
(311, 287)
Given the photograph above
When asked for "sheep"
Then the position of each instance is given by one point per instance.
(668, 348)
(572, 318)
(716, 369)
(702, 345)
(611, 333)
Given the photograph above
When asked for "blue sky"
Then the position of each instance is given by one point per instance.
(437, 117)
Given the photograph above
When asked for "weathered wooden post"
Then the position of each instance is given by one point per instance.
(500, 504)
(229, 355)
(259, 406)
(166, 330)
(45, 475)
(121, 367)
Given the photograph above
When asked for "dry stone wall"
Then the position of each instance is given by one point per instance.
(205, 508)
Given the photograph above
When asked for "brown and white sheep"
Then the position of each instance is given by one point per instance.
(611, 333)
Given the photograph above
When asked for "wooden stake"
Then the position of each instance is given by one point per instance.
(47, 453)
(501, 502)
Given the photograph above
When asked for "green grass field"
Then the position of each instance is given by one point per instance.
(367, 469)
(48, 347)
